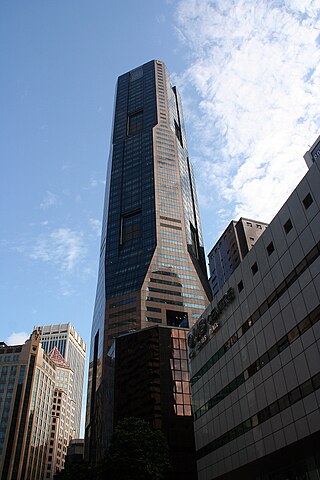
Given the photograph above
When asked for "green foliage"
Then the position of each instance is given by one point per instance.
(77, 471)
(137, 452)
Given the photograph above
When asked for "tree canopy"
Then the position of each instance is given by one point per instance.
(137, 452)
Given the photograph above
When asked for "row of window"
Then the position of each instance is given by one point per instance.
(270, 411)
(170, 265)
(272, 298)
(175, 293)
(170, 234)
(175, 284)
(128, 321)
(170, 226)
(172, 257)
(174, 274)
(173, 242)
(172, 249)
(9, 358)
(172, 302)
(123, 302)
(263, 360)
(122, 312)
(172, 211)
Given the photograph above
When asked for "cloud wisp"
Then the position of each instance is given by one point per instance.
(62, 247)
(17, 338)
(49, 200)
(252, 94)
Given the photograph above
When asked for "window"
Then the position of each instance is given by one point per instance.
(259, 226)
(254, 268)
(178, 132)
(177, 319)
(270, 248)
(307, 201)
(136, 74)
(288, 226)
(240, 286)
(130, 227)
(153, 319)
(135, 122)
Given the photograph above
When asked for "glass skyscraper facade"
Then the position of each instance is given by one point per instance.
(152, 265)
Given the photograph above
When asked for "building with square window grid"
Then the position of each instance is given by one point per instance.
(231, 248)
(255, 354)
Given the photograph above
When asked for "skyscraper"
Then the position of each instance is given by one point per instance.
(27, 382)
(62, 429)
(65, 338)
(231, 248)
(152, 266)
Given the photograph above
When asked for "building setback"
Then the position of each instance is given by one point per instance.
(152, 266)
(255, 354)
(231, 248)
(27, 382)
(65, 338)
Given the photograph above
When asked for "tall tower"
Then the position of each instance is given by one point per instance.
(152, 266)
(65, 338)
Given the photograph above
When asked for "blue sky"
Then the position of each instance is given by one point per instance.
(249, 75)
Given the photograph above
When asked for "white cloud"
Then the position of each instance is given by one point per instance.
(95, 181)
(17, 338)
(254, 66)
(49, 200)
(96, 225)
(62, 247)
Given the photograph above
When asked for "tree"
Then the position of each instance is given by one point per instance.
(77, 471)
(137, 452)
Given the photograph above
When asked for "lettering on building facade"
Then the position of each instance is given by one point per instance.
(316, 152)
(206, 326)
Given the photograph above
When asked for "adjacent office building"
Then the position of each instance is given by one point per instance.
(255, 354)
(65, 338)
(151, 381)
(152, 266)
(231, 248)
(27, 383)
(62, 429)
(37, 411)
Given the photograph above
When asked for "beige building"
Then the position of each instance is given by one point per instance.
(37, 411)
(62, 428)
(73, 349)
(27, 384)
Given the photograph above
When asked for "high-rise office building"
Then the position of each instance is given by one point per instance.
(65, 338)
(151, 379)
(27, 382)
(62, 429)
(231, 248)
(152, 266)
